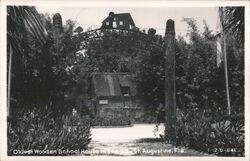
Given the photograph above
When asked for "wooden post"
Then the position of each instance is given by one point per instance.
(170, 96)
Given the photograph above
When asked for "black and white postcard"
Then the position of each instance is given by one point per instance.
(115, 80)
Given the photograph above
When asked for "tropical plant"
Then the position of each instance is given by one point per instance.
(43, 75)
(21, 19)
(37, 130)
(211, 133)
(199, 83)
(202, 121)
(235, 22)
(118, 118)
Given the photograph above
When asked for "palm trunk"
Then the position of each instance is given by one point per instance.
(9, 81)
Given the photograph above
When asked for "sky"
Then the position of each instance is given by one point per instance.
(144, 18)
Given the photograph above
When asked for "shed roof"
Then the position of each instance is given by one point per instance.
(109, 84)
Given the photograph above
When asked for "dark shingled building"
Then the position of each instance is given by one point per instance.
(115, 90)
(118, 21)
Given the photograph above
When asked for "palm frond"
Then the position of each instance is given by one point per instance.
(26, 18)
(234, 22)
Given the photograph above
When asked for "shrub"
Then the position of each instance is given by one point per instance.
(148, 119)
(110, 121)
(37, 130)
(112, 117)
(221, 135)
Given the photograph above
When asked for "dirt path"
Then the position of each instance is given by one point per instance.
(132, 141)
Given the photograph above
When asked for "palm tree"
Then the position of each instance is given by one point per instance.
(234, 22)
(21, 19)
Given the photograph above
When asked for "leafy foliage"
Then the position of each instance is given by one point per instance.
(20, 20)
(37, 129)
(195, 70)
(202, 123)
(126, 51)
(114, 50)
(24, 19)
(41, 82)
(200, 84)
(234, 22)
(42, 75)
(117, 117)
(210, 132)
(150, 76)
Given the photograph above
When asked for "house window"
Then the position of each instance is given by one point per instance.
(125, 91)
(114, 24)
(107, 23)
(120, 23)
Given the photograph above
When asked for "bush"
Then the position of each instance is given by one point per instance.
(148, 119)
(110, 121)
(210, 132)
(112, 117)
(37, 130)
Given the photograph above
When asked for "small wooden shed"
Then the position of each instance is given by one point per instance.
(114, 90)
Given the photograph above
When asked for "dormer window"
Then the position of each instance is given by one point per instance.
(107, 23)
(120, 23)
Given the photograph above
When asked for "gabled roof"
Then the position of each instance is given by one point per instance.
(121, 16)
(109, 84)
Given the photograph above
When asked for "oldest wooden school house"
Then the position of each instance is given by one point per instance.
(113, 92)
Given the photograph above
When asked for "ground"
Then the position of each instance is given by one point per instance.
(136, 140)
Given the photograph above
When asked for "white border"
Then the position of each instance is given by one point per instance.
(142, 3)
